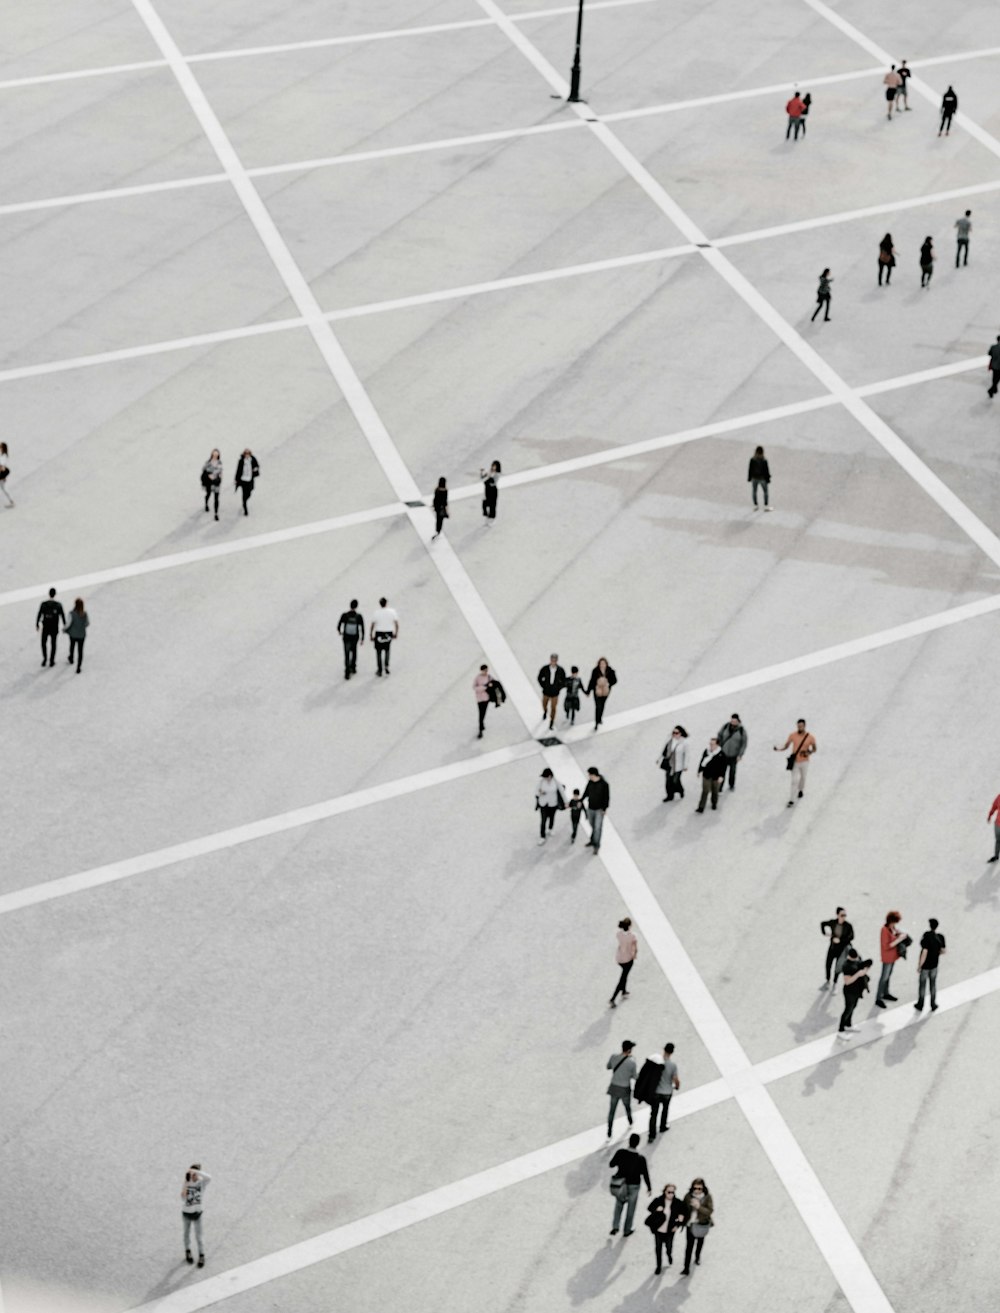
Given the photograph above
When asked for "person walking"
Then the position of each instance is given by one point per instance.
(807, 101)
(480, 687)
(733, 741)
(699, 1206)
(77, 629)
(550, 797)
(575, 812)
(385, 627)
(602, 681)
(823, 297)
(892, 82)
(855, 974)
(669, 1081)
(440, 506)
(886, 259)
(629, 1167)
(351, 627)
(211, 479)
(949, 108)
(759, 476)
(994, 367)
(840, 933)
(902, 95)
(890, 937)
(50, 616)
(926, 262)
(491, 479)
(673, 763)
(5, 472)
(963, 228)
(803, 746)
(795, 109)
(711, 768)
(573, 688)
(932, 948)
(247, 473)
(666, 1216)
(625, 955)
(551, 680)
(192, 1205)
(994, 816)
(622, 1068)
(597, 800)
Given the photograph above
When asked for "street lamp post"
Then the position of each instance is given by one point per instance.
(574, 77)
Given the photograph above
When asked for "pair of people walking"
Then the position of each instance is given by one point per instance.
(50, 616)
(666, 1216)
(797, 110)
(384, 629)
(721, 757)
(247, 473)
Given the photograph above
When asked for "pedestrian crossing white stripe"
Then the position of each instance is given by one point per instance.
(271, 1267)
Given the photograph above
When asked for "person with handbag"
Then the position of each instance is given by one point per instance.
(625, 955)
(699, 1206)
(602, 681)
(440, 506)
(623, 1073)
(550, 797)
(629, 1169)
(886, 259)
(211, 478)
(822, 303)
(673, 763)
(891, 937)
(803, 746)
(712, 769)
(385, 627)
(666, 1216)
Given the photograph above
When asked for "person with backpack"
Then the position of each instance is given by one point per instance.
(823, 297)
(490, 478)
(351, 627)
(733, 741)
(855, 972)
(623, 1073)
(602, 681)
(550, 797)
(573, 686)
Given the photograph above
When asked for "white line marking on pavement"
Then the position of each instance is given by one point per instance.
(422, 1208)
(105, 70)
(112, 193)
(222, 840)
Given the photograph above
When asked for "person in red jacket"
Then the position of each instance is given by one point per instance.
(889, 941)
(994, 815)
(795, 109)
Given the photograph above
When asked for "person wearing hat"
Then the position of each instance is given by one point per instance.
(623, 1073)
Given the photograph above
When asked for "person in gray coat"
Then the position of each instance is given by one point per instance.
(77, 630)
(733, 742)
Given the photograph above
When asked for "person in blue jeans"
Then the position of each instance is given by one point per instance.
(932, 946)
(193, 1198)
(631, 1168)
(596, 799)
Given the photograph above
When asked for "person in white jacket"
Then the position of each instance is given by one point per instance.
(550, 797)
(673, 762)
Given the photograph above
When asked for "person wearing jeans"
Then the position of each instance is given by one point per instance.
(192, 1196)
(77, 630)
(666, 1218)
(630, 1167)
(964, 227)
(623, 1073)
(659, 1105)
(932, 945)
(841, 932)
(889, 940)
(597, 800)
(759, 476)
(803, 745)
(551, 680)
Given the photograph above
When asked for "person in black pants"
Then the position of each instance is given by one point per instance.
(602, 681)
(666, 1218)
(699, 1206)
(949, 107)
(855, 983)
(886, 259)
(823, 297)
(994, 355)
(247, 471)
(351, 627)
(926, 262)
(50, 616)
(841, 934)
(490, 478)
(712, 769)
(76, 627)
(440, 505)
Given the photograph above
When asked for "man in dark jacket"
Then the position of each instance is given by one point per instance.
(551, 680)
(994, 354)
(711, 768)
(733, 742)
(855, 983)
(841, 934)
(351, 627)
(631, 1166)
(247, 473)
(597, 800)
(50, 616)
(949, 107)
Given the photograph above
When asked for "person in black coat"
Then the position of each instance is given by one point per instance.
(886, 259)
(841, 934)
(666, 1216)
(602, 681)
(949, 107)
(440, 506)
(247, 471)
(759, 476)
(926, 262)
(712, 769)
(823, 297)
(50, 616)
(490, 479)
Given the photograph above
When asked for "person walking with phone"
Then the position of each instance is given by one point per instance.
(623, 1073)
(77, 627)
(440, 506)
(50, 616)
(192, 1205)
(385, 627)
(491, 479)
(351, 627)
(803, 747)
(625, 954)
(247, 473)
(602, 681)
(673, 763)
(211, 479)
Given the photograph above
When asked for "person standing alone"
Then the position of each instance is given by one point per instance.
(963, 228)
(193, 1199)
(994, 816)
(932, 946)
(759, 476)
(50, 616)
(77, 630)
(351, 627)
(247, 472)
(440, 506)
(823, 297)
(949, 108)
(625, 955)
(803, 746)
(385, 627)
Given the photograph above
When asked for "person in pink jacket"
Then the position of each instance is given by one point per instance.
(480, 686)
(625, 954)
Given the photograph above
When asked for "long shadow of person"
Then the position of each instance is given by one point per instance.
(589, 1172)
(984, 889)
(818, 1018)
(824, 1074)
(657, 1294)
(902, 1045)
(168, 1283)
(595, 1276)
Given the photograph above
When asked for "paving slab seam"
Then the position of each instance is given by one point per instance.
(317, 1249)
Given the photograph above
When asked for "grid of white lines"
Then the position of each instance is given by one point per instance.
(741, 1080)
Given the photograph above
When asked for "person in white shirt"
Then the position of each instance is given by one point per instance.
(625, 955)
(193, 1196)
(385, 627)
(549, 794)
